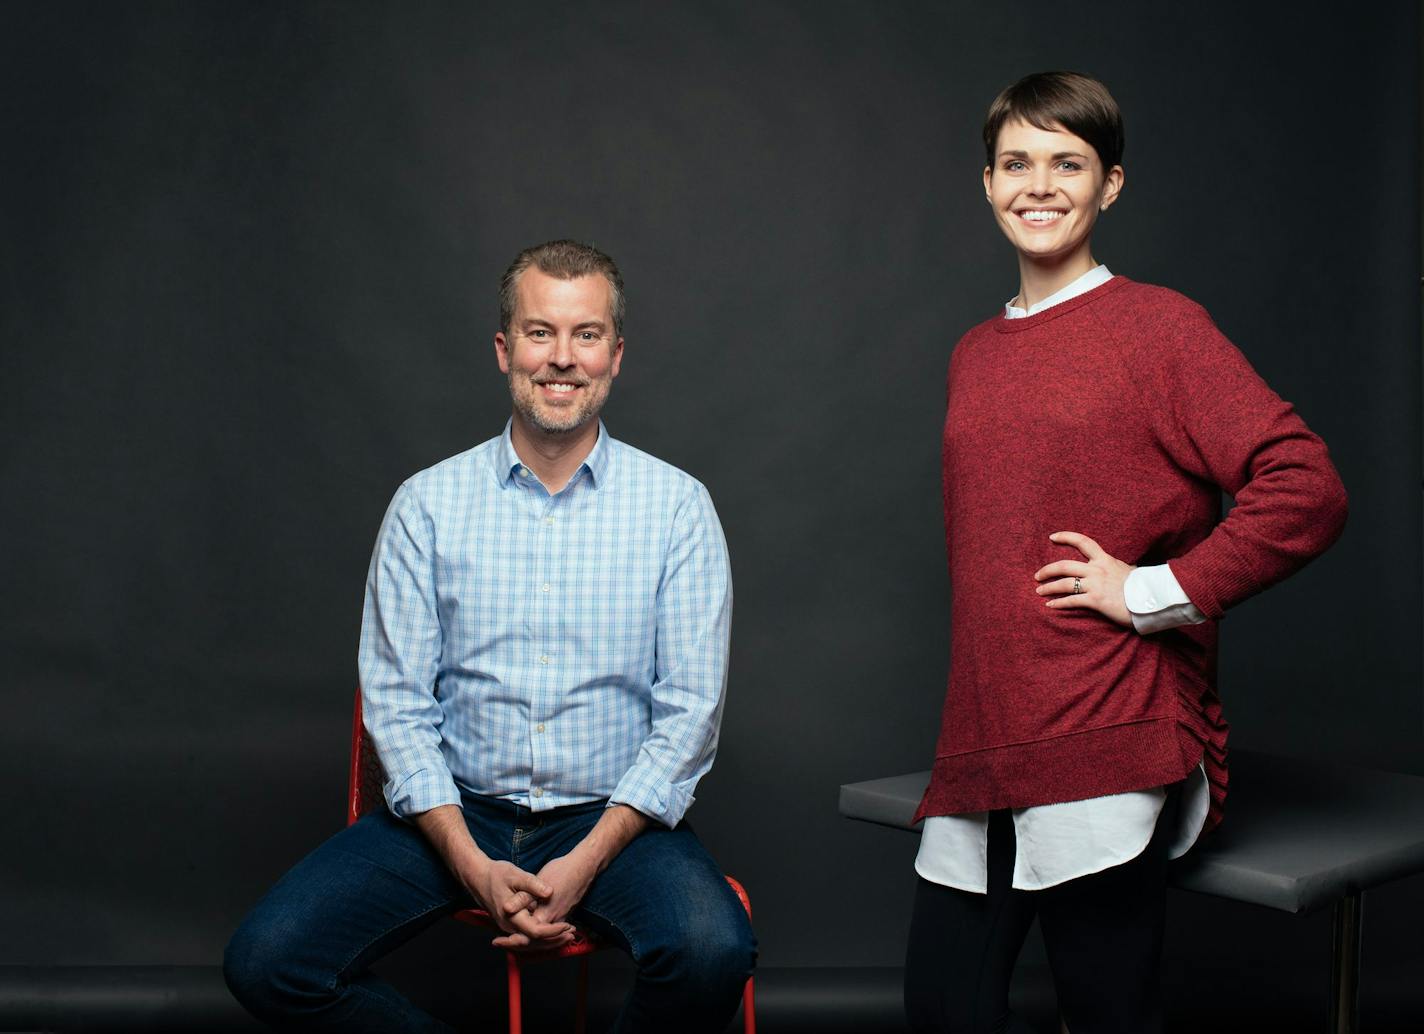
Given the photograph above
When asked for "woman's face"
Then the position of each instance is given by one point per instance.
(1047, 188)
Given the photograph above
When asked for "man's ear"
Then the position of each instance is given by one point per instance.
(501, 351)
(617, 357)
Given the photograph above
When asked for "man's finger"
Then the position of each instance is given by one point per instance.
(518, 942)
(537, 929)
(1080, 542)
(519, 902)
(530, 884)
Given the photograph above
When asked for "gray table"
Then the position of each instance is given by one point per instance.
(1299, 836)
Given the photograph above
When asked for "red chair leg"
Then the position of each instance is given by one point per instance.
(516, 1005)
(581, 1013)
(748, 992)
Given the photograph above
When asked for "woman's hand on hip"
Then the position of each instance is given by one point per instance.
(1094, 583)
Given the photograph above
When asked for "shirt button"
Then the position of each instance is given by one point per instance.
(539, 727)
(538, 792)
(545, 587)
(524, 472)
(543, 658)
(548, 520)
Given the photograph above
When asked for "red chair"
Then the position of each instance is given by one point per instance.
(365, 795)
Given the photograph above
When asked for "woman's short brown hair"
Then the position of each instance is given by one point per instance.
(1059, 100)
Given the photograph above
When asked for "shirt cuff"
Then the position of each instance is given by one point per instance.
(420, 791)
(1156, 601)
(653, 796)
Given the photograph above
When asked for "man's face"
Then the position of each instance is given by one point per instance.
(561, 353)
(1047, 188)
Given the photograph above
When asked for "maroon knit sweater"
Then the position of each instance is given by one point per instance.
(1122, 414)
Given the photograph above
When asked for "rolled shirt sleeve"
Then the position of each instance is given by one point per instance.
(694, 620)
(399, 659)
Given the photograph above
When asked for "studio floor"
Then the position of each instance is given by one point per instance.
(839, 1000)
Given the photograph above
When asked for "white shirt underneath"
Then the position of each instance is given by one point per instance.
(1060, 842)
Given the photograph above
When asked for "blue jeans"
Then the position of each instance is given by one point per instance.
(299, 960)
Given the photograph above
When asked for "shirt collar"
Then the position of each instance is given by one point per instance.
(506, 460)
(1095, 277)
(509, 467)
(596, 463)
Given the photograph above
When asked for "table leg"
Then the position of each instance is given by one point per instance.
(1345, 966)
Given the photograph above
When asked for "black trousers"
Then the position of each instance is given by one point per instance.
(1103, 933)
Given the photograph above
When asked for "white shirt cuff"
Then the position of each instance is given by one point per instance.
(1156, 601)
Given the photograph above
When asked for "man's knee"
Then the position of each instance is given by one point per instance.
(246, 969)
(726, 952)
(712, 955)
(262, 970)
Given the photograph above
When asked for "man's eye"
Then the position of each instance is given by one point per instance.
(587, 335)
(538, 334)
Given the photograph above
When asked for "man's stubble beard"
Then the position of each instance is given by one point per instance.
(522, 390)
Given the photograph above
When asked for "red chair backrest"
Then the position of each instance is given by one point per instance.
(364, 789)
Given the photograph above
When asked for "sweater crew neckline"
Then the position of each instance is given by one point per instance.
(1004, 325)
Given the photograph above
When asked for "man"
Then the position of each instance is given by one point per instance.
(543, 657)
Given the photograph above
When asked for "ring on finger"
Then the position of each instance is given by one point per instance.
(1077, 586)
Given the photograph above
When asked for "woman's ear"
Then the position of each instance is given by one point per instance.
(1112, 186)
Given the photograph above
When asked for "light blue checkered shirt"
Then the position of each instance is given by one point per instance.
(548, 650)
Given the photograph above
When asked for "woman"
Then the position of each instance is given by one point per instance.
(1090, 429)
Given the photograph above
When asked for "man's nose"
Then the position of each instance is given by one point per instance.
(563, 354)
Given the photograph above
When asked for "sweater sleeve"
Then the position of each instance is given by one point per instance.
(1219, 421)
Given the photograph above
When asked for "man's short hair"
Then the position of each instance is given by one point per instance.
(566, 260)
(1053, 100)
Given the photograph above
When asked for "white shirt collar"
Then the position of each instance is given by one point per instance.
(1094, 277)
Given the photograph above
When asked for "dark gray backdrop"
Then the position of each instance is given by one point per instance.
(246, 287)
